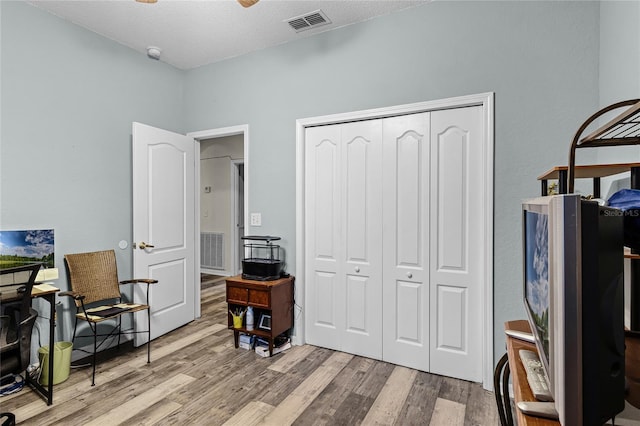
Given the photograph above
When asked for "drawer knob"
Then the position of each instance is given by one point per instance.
(357, 269)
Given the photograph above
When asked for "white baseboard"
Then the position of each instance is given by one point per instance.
(215, 272)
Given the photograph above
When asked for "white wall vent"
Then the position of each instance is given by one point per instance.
(212, 250)
(308, 21)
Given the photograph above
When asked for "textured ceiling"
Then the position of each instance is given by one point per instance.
(194, 33)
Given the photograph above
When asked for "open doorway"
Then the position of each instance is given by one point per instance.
(221, 204)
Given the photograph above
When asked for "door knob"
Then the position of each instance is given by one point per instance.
(144, 245)
(409, 275)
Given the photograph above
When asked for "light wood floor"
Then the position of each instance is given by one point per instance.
(197, 377)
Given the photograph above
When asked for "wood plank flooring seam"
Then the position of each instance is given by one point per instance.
(387, 406)
(250, 415)
(124, 412)
(157, 413)
(448, 413)
(290, 358)
(293, 405)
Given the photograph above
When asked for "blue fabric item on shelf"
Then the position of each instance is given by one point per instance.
(625, 199)
(628, 200)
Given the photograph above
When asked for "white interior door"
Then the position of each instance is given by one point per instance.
(457, 243)
(406, 240)
(164, 177)
(344, 237)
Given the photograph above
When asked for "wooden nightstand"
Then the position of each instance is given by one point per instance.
(272, 298)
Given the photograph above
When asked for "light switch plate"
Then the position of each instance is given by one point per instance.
(256, 219)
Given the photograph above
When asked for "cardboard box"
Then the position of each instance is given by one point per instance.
(245, 341)
(263, 351)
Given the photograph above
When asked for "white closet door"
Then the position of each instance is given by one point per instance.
(362, 237)
(394, 233)
(324, 267)
(344, 237)
(456, 242)
(406, 240)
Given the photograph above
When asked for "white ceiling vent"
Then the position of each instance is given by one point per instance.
(308, 21)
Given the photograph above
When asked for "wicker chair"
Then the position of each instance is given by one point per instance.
(16, 318)
(93, 279)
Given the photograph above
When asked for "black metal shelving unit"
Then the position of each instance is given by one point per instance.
(623, 129)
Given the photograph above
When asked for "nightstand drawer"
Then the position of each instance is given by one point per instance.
(237, 295)
(259, 298)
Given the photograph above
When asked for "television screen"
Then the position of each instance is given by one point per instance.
(536, 266)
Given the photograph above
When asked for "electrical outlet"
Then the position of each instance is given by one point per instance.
(256, 219)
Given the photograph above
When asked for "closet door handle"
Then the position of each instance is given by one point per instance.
(409, 275)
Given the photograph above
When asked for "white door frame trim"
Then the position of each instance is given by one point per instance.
(235, 245)
(242, 129)
(486, 100)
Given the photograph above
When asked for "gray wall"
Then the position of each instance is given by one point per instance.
(619, 72)
(69, 97)
(541, 60)
(619, 51)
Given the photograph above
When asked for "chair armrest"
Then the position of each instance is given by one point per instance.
(33, 315)
(139, 281)
(73, 294)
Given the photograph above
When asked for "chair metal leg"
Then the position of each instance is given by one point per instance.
(148, 328)
(73, 338)
(95, 350)
(505, 394)
(148, 336)
(501, 391)
(119, 330)
(9, 419)
(75, 326)
(497, 373)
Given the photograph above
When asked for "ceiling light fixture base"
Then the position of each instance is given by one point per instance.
(154, 52)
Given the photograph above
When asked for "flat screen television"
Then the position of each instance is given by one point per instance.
(573, 296)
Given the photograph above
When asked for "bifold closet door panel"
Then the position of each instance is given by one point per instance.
(456, 242)
(344, 237)
(324, 274)
(406, 188)
(362, 237)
